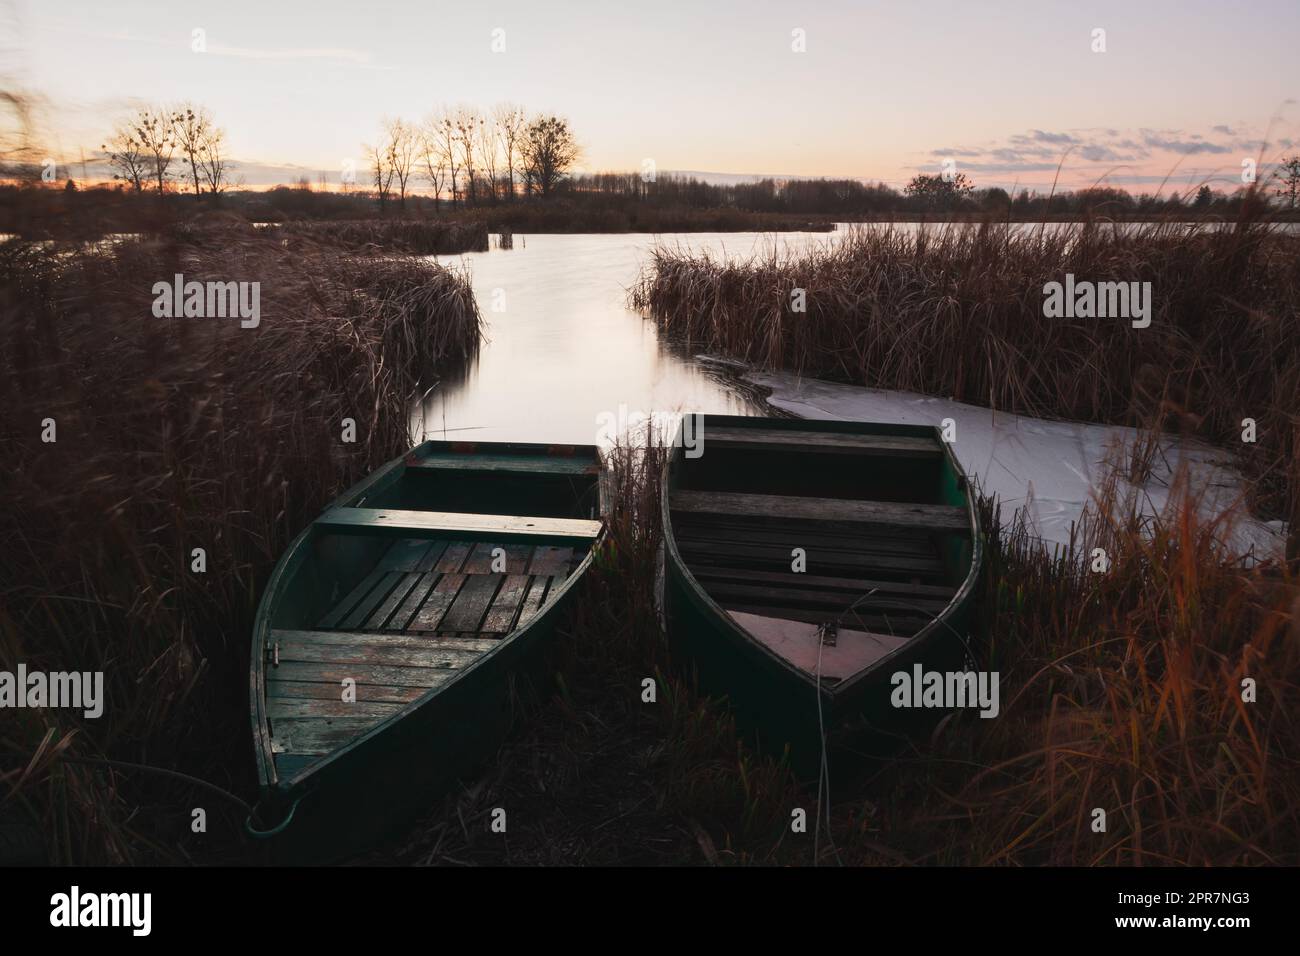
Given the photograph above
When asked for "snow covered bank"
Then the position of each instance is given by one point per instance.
(1052, 466)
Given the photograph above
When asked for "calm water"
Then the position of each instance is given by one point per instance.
(563, 354)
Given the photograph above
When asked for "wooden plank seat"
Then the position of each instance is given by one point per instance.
(870, 599)
(522, 464)
(926, 517)
(775, 557)
(431, 523)
(305, 703)
(928, 593)
(835, 443)
(778, 524)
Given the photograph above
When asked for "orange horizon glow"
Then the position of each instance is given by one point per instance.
(756, 89)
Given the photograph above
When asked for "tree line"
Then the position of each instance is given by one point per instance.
(472, 156)
(157, 145)
(924, 194)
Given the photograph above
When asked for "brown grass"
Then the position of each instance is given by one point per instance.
(414, 236)
(1121, 691)
(176, 434)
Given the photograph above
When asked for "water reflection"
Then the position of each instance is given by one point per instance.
(563, 352)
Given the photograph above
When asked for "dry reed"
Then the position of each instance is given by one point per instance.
(176, 434)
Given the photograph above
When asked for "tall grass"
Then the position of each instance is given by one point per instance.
(958, 311)
(575, 214)
(1121, 691)
(176, 434)
(416, 236)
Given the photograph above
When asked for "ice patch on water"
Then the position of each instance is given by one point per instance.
(1052, 466)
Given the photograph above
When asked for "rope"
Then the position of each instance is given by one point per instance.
(824, 770)
(163, 772)
(824, 774)
(249, 810)
(275, 830)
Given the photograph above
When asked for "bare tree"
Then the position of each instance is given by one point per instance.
(126, 156)
(432, 158)
(212, 163)
(443, 133)
(402, 146)
(466, 122)
(486, 143)
(509, 120)
(1288, 175)
(549, 151)
(157, 137)
(381, 169)
(192, 128)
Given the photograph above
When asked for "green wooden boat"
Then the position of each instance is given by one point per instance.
(890, 548)
(389, 632)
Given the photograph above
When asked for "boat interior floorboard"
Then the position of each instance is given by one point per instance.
(814, 442)
(887, 581)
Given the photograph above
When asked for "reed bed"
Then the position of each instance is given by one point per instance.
(1121, 691)
(415, 236)
(176, 434)
(958, 311)
(590, 214)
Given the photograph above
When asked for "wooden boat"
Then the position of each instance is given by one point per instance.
(891, 553)
(385, 642)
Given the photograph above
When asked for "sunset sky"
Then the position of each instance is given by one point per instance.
(883, 90)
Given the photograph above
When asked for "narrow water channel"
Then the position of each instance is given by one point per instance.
(563, 354)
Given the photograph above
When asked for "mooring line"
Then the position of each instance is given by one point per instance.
(824, 772)
(250, 810)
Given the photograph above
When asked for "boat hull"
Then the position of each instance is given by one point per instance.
(782, 707)
(391, 635)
